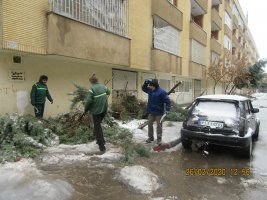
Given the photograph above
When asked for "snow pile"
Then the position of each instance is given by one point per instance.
(139, 179)
(221, 180)
(169, 134)
(166, 198)
(253, 183)
(260, 95)
(22, 180)
(69, 154)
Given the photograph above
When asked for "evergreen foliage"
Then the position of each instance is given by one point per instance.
(23, 136)
(79, 94)
(177, 113)
(128, 107)
(257, 73)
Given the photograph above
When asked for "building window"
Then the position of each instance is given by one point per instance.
(227, 62)
(227, 20)
(198, 20)
(215, 58)
(227, 43)
(235, 11)
(216, 7)
(187, 86)
(239, 39)
(198, 52)
(165, 84)
(111, 16)
(174, 2)
(166, 37)
(234, 32)
(123, 81)
(215, 34)
(234, 51)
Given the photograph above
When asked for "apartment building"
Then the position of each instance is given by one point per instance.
(124, 42)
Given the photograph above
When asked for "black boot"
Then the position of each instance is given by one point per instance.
(102, 148)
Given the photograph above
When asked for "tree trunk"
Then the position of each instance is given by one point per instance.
(214, 88)
(232, 89)
(225, 91)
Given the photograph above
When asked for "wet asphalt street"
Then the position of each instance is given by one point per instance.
(230, 177)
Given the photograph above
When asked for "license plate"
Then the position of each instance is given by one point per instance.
(211, 124)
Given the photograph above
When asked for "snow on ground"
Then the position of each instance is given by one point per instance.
(260, 95)
(221, 180)
(22, 180)
(260, 98)
(165, 198)
(70, 154)
(171, 130)
(253, 182)
(139, 179)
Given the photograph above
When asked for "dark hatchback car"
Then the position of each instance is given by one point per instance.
(226, 120)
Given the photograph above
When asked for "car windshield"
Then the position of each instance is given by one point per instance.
(217, 110)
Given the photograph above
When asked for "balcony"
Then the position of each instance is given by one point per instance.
(227, 31)
(199, 7)
(197, 70)
(234, 58)
(216, 2)
(168, 12)
(162, 61)
(216, 20)
(111, 16)
(198, 34)
(235, 42)
(71, 38)
(227, 52)
(235, 22)
(215, 46)
(228, 8)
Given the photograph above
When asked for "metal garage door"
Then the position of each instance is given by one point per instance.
(197, 88)
(123, 81)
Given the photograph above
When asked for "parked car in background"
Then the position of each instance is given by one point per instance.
(226, 120)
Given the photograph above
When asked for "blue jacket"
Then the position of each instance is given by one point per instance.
(156, 100)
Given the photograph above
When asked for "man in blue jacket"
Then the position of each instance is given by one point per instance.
(157, 99)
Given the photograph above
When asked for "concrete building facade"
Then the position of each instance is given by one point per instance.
(123, 42)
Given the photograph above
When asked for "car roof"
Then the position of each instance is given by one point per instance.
(224, 97)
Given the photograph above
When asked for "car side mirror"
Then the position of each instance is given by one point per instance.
(255, 110)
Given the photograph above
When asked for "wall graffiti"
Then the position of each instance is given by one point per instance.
(8, 90)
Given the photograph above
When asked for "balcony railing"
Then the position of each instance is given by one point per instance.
(197, 33)
(216, 20)
(215, 46)
(109, 15)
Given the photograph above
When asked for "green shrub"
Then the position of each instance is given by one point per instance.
(128, 107)
(177, 113)
(143, 151)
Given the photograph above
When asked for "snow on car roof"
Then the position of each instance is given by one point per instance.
(224, 97)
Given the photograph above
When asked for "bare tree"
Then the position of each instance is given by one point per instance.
(229, 77)
(217, 71)
(242, 75)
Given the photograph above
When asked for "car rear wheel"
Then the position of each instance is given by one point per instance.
(256, 134)
(247, 151)
(186, 144)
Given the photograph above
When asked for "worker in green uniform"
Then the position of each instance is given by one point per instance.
(39, 93)
(96, 103)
